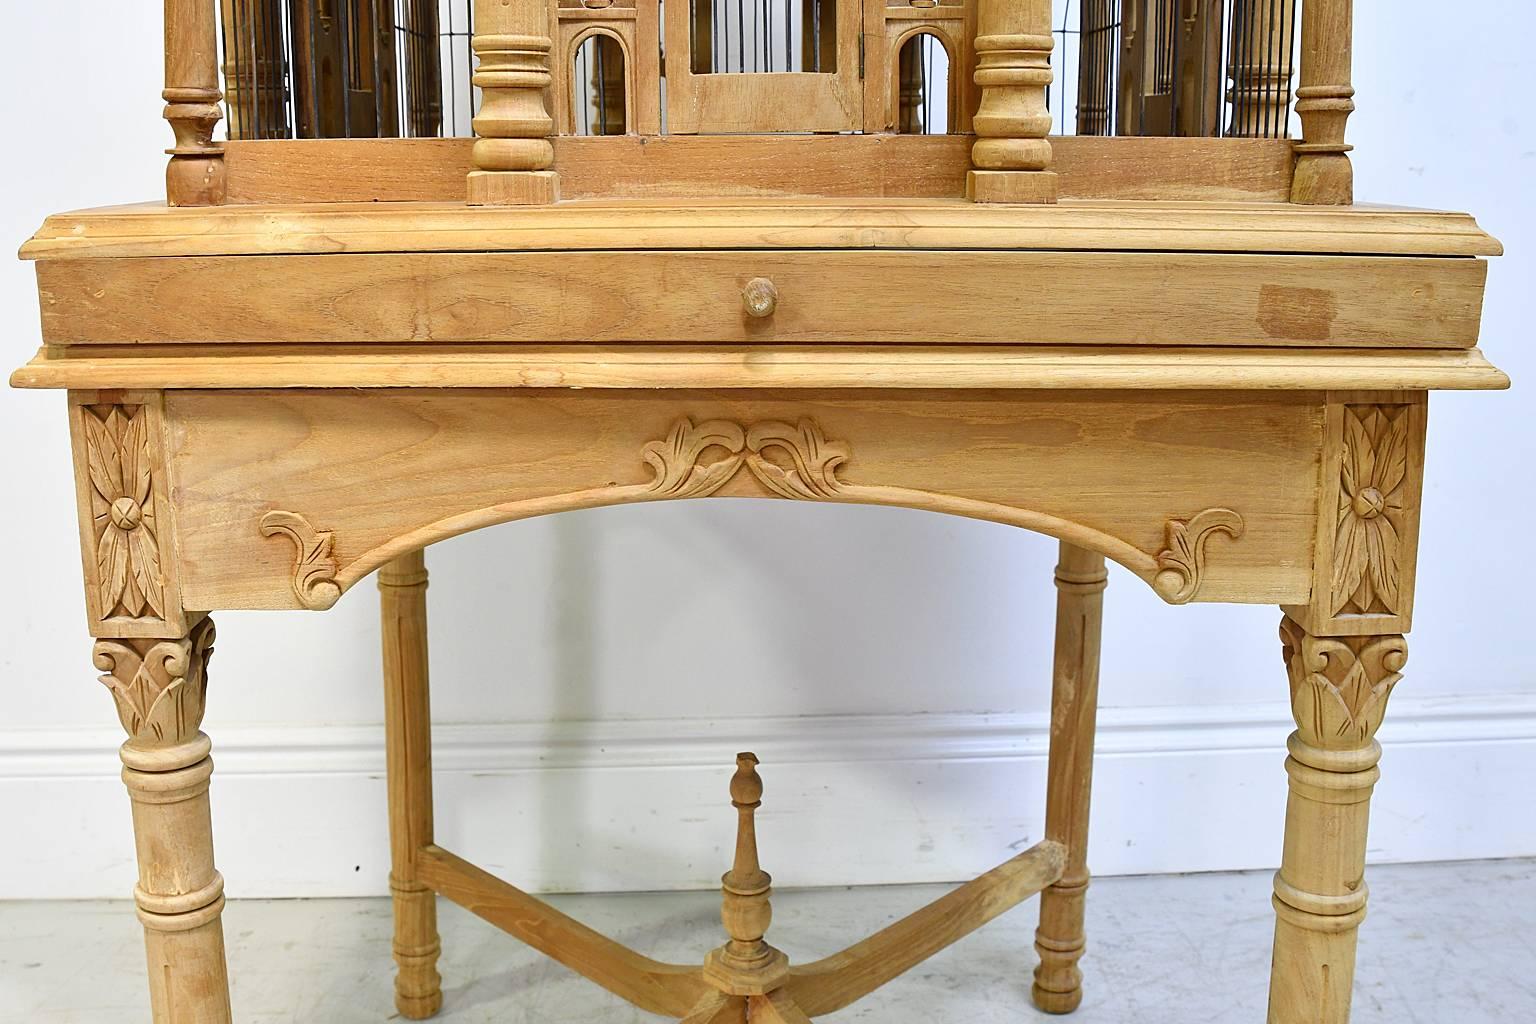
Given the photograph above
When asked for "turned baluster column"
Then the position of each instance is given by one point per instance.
(1262, 58)
(159, 687)
(1012, 157)
(408, 762)
(1339, 690)
(513, 154)
(1324, 101)
(195, 175)
(1060, 939)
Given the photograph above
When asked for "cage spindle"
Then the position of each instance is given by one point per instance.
(1012, 157)
(513, 153)
(195, 174)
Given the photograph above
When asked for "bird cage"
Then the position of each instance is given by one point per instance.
(402, 68)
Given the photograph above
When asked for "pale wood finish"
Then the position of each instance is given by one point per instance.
(746, 965)
(849, 166)
(127, 532)
(1367, 548)
(636, 26)
(1199, 364)
(837, 981)
(1099, 298)
(668, 989)
(1114, 473)
(195, 175)
(625, 367)
(891, 24)
(1324, 100)
(1012, 157)
(408, 760)
(831, 101)
(160, 686)
(1339, 691)
(794, 224)
(1060, 939)
(512, 154)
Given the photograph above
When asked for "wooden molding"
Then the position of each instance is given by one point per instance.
(629, 366)
(314, 568)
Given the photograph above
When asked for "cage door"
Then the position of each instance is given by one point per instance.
(763, 66)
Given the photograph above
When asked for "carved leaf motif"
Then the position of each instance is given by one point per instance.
(159, 686)
(314, 570)
(679, 471)
(814, 460)
(1367, 558)
(118, 459)
(1182, 563)
(1339, 687)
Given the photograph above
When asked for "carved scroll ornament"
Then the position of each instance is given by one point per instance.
(795, 461)
(314, 568)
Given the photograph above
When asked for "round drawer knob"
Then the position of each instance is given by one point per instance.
(760, 297)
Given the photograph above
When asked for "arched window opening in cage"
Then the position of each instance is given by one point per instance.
(923, 86)
(599, 91)
(734, 37)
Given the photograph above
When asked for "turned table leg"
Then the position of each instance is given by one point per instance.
(1080, 581)
(159, 686)
(408, 750)
(1339, 690)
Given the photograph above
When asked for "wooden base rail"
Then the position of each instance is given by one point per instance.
(828, 985)
(720, 991)
(669, 989)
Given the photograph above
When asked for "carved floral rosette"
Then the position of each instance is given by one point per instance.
(129, 577)
(1373, 484)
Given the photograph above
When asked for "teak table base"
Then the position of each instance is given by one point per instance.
(746, 978)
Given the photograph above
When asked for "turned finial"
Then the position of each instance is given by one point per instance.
(746, 965)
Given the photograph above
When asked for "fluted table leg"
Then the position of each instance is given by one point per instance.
(408, 750)
(159, 686)
(1080, 582)
(1339, 690)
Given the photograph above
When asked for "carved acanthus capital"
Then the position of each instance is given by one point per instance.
(160, 686)
(1340, 685)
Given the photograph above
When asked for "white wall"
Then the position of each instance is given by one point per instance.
(890, 666)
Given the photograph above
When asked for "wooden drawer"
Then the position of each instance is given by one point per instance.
(843, 296)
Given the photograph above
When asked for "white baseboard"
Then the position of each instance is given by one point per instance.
(635, 805)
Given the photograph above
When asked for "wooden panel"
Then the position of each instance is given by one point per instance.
(386, 471)
(405, 170)
(824, 297)
(902, 367)
(830, 101)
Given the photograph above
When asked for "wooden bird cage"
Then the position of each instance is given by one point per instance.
(338, 69)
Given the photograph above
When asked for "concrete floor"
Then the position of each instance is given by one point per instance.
(1444, 943)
